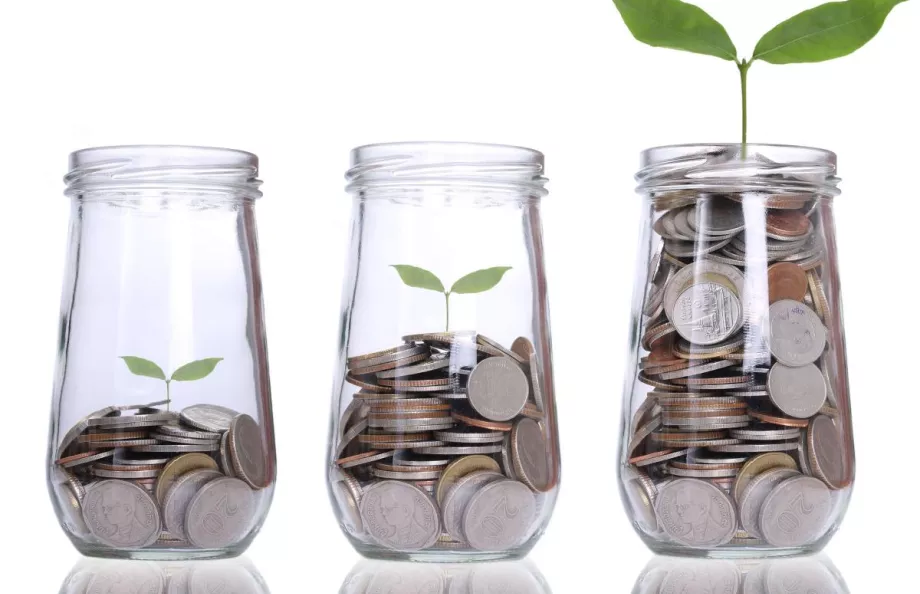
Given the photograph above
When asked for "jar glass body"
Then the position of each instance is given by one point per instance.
(737, 437)
(443, 440)
(161, 441)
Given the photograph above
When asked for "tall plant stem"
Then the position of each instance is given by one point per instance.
(447, 311)
(167, 396)
(743, 68)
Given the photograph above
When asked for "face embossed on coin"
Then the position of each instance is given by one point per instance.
(797, 336)
(176, 501)
(121, 514)
(498, 389)
(458, 497)
(799, 392)
(528, 454)
(246, 451)
(208, 417)
(499, 516)
(220, 514)
(752, 498)
(696, 513)
(707, 313)
(796, 512)
(400, 516)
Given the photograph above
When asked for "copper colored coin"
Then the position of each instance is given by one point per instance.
(774, 420)
(714, 381)
(704, 414)
(655, 457)
(788, 223)
(399, 468)
(384, 438)
(364, 458)
(366, 385)
(481, 423)
(84, 458)
(688, 435)
(786, 280)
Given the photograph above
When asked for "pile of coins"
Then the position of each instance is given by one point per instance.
(740, 441)
(445, 445)
(137, 476)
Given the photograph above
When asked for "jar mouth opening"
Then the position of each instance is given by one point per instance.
(457, 165)
(179, 169)
(726, 168)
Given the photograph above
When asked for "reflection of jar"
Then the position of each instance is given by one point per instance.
(444, 441)
(738, 434)
(161, 434)
(770, 576)
(519, 577)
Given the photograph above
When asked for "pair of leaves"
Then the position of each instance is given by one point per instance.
(474, 282)
(189, 372)
(823, 33)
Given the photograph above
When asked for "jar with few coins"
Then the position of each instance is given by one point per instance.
(737, 436)
(443, 442)
(161, 443)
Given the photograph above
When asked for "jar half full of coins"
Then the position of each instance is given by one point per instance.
(443, 442)
(161, 442)
(737, 436)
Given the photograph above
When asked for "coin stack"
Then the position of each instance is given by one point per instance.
(137, 476)
(444, 428)
(742, 422)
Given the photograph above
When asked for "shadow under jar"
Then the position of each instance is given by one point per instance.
(443, 442)
(737, 438)
(161, 441)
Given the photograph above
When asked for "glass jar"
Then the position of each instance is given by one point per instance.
(737, 437)
(161, 442)
(92, 576)
(806, 575)
(443, 441)
(517, 577)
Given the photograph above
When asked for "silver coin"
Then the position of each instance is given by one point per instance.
(121, 458)
(180, 495)
(825, 452)
(701, 456)
(226, 465)
(498, 389)
(403, 352)
(444, 450)
(121, 514)
(350, 436)
(528, 454)
(247, 452)
(69, 501)
(706, 473)
(125, 474)
(751, 500)
(459, 496)
(81, 426)
(166, 437)
(797, 336)
(799, 392)
(402, 459)
(507, 463)
(499, 516)
(716, 216)
(88, 459)
(348, 506)
(177, 448)
(682, 223)
(400, 516)
(208, 417)
(536, 381)
(220, 514)
(694, 249)
(709, 577)
(796, 512)
(150, 420)
(700, 270)
(707, 313)
(421, 475)
(469, 436)
(780, 446)
(436, 362)
(642, 503)
(484, 340)
(126, 578)
(696, 369)
(180, 431)
(766, 433)
(696, 513)
(643, 432)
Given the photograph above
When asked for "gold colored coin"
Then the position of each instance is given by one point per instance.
(460, 468)
(179, 466)
(758, 464)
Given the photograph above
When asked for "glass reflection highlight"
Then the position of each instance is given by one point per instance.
(803, 575)
(384, 577)
(95, 576)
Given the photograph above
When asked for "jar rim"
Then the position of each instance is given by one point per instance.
(472, 165)
(136, 167)
(654, 155)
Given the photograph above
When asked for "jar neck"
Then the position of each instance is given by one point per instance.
(726, 168)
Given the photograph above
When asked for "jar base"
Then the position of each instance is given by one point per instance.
(164, 554)
(730, 553)
(440, 555)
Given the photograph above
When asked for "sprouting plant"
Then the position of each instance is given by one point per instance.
(822, 33)
(474, 282)
(189, 372)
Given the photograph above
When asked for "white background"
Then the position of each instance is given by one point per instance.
(300, 83)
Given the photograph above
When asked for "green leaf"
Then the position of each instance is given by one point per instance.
(419, 277)
(139, 366)
(479, 281)
(825, 32)
(676, 25)
(195, 370)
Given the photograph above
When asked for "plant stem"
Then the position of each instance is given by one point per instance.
(743, 68)
(447, 310)
(167, 396)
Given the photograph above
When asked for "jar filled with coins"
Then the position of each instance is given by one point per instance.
(443, 442)
(161, 442)
(737, 437)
